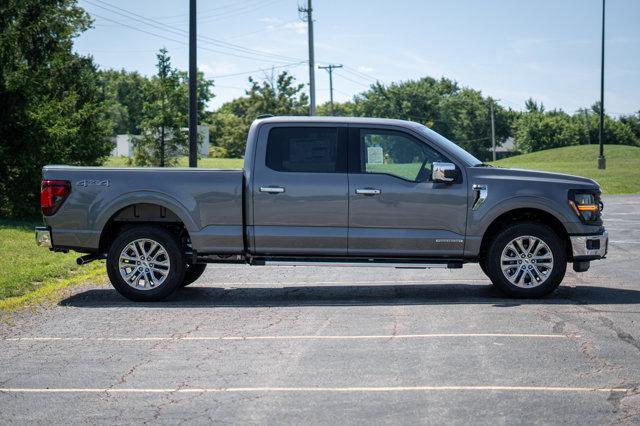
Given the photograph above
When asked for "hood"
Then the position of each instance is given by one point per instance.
(498, 173)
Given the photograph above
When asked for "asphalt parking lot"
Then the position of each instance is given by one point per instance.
(338, 345)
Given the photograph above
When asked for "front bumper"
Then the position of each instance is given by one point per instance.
(589, 247)
(43, 236)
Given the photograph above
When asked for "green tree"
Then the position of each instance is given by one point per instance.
(229, 132)
(531, 105)
(341, 109)
(124, 92)
(162, 139)
(51, 108)
(615, 132)
(633, 122)
(460, 114)
(536, 131)
(204, 94)
(231, 122)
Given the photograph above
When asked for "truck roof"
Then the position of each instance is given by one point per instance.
(337, 120)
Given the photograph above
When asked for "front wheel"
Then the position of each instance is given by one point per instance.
(526, 260)
(146, 263)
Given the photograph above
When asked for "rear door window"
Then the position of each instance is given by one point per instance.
(305, 150)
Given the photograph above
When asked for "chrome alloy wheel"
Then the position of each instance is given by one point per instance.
(526, 261)
(144, 264)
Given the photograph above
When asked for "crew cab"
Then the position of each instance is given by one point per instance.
(326, 191)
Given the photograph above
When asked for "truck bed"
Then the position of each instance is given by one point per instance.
(207, 201)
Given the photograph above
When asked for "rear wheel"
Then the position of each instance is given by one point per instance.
(526, 260)
(146, 263)
(483, 266)
(193, 272)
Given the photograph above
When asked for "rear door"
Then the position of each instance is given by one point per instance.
(300, 200)
(395, 208)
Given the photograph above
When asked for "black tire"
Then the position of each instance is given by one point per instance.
(554, 274)
(174, 252)
(193, 272)
(483, 266)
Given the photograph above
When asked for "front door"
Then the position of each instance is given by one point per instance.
(300, 201)
(395, 209)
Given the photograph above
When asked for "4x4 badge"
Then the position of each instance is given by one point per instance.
(96, 182)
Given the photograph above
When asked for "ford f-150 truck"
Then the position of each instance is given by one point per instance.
(326, 191)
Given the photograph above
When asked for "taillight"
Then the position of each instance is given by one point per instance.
(52, 195)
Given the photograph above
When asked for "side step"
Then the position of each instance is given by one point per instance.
(363, 263)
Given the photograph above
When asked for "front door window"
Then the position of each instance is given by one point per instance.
(396, 154)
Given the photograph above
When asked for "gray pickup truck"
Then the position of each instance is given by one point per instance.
(326, 191)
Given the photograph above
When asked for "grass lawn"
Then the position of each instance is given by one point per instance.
(207, 163)
(28, 270)
(622, 175)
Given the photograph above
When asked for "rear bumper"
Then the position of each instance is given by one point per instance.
(43, 236)
(589, 247)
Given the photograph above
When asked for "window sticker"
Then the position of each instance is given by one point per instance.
(375, 155)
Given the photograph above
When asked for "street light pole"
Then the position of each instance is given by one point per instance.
(193, 85)
(493, 131)
(602, 161)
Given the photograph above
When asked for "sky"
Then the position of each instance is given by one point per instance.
(511, 50)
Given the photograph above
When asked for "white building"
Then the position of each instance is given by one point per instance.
(124, 145)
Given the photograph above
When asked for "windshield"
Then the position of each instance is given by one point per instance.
(450, 146)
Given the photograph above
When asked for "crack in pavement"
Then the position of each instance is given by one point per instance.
(621, 334)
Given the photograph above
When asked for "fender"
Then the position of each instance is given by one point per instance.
(481, 220)
(137, 197)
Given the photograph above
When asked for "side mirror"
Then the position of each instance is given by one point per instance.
(444, 172)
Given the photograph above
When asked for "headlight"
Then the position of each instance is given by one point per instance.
(587, 205)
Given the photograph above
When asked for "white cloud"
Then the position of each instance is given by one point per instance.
(298, 27)
(364, 69)
(269, 20)
(218, 69)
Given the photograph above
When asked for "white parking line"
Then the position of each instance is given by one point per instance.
(301, 337)
(319, 389)
(624, 242)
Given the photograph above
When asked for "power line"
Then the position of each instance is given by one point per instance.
(240, 9)
(354, 81)
(139, 29)
(173, 39)
(178, 31)
(218, 76)
(205, 11)
(260, 69)
(364, 76)
(238, 12)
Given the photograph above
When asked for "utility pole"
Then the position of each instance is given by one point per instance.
(493, 131)
(193, 85)
(306, 14)
(330, 69)
(602, 161)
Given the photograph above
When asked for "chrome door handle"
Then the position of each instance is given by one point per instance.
(272, 189)
(368, 191)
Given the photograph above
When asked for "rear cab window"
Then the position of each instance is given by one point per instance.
(305, 150)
